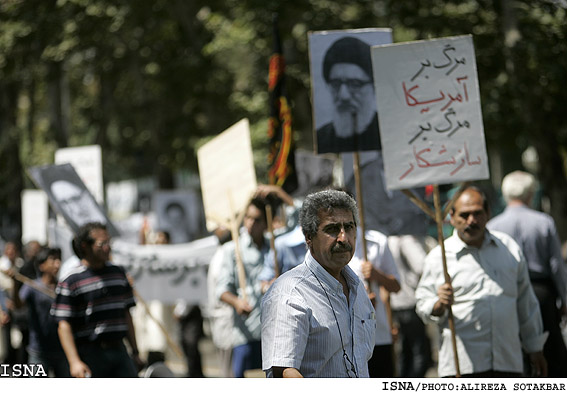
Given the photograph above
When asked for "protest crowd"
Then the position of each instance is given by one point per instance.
(74, 327)
(355, 269)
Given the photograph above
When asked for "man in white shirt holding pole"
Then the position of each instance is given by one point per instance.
(494, 308)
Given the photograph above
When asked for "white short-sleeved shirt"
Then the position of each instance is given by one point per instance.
(299, 328)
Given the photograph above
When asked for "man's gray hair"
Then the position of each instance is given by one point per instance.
(327, 201)
(518, 185)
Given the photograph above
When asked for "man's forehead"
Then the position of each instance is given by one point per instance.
(98, 233)
(350, 69)
(335, 215)
(469, 201)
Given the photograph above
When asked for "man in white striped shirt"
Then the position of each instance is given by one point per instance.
(317, 320)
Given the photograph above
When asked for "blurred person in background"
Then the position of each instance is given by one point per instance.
(220, 313)
(92, 308)
(44, 347)
(536, 234)
(414, 357)
(16, 326)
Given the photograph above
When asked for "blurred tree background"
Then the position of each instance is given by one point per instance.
(151, 80)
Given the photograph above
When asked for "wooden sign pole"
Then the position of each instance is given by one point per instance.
(438, 216)
(358, 184)
(384, 294)
(439, 219)
(234, 226)
(170, 341)
(31, 283)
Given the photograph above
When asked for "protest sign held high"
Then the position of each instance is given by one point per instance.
(228, 182)
(87, 161)
(430, 123)
(344, 110)
(227, 174)
(429, 112)
(69, 196)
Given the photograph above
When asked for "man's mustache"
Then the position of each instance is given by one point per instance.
(347, 106)
(340, 248)
(472, 227)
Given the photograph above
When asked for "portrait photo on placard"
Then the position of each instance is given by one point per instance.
(314, 172)
(342, 88)
(69, 196)
(181, 214)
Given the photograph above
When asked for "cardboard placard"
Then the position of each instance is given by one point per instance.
(227, 174)
(429, 112)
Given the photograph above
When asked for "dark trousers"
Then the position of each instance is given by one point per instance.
(381, 364)
(107, 360)
(415, 347)
(191, 333)
(246, 357)
(490, 374)
(54, 363)
(554, 350)
(10, 357)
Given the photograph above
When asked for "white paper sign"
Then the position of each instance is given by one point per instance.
(227, 174)
(35, 211)
(168, 272)
(87, 161)
(429, 112)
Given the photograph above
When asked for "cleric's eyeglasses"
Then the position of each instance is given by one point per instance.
(353, 84)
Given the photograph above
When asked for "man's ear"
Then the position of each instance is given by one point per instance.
(84, 247)
(451, 216)
(308, 242)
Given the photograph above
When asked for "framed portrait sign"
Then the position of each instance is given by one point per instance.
(69, 196)
(342, 89)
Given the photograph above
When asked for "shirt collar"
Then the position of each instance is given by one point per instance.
(512, 208)
(326, 278)
(456, 244)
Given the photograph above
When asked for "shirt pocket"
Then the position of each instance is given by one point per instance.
(365, 328)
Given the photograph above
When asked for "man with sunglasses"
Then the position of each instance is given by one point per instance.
(347, 70)
(317, 319)
(92, 308)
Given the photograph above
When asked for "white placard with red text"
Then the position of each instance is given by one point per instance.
(429, 112)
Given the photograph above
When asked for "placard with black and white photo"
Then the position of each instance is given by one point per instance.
(344, 103)
(69, 196)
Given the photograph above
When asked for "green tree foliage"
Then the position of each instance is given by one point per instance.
(150, 80)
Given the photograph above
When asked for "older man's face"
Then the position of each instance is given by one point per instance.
(353, 93)
(469, 218)
(333, 244)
